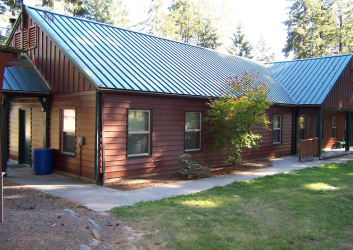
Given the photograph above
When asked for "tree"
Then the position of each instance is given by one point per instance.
(154, 21)
(319, 27)
(99, 10)
(241, 105)
(14, 6)
(193, 22)
(263, 52)
(241, 46)
(343, 32)
(121, 15)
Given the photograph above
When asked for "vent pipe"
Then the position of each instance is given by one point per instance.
(12, 21)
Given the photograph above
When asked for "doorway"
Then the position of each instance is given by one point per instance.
(24, 152)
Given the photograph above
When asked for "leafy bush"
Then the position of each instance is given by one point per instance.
(193, 170)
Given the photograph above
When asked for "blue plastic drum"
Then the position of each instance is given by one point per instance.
(42, 161)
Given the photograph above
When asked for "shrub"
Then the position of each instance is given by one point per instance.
(193, 170)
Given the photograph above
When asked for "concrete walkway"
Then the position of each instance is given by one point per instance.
(100, 198)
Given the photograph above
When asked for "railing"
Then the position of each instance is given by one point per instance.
(308, 148)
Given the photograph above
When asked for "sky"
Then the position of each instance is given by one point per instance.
(258, 17)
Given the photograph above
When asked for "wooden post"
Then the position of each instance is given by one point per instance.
(1, 199)
(315, 147)
(301, 150)
(348, 134)
(318, 113)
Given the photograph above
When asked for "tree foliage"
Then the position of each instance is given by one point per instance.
(190, 21)
(319, 28)
(232, 116)
(263, 53)
(241, 46)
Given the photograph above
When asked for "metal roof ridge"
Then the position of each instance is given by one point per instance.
(141, 33)
(311, 58)
(279, 84)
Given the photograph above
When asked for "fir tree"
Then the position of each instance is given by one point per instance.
(263, 52)
(241, 46)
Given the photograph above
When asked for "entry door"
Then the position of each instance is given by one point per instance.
(24, 137)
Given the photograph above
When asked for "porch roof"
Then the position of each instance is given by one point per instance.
(118, 59)
(24, 78)
(309, 81)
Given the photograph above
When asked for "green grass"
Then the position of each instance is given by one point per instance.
(307, 209)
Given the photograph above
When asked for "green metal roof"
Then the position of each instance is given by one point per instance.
(24, 78)
(119, 59)
(309, 81)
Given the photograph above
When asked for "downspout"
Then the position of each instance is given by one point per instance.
(103, 139)
(96, 139)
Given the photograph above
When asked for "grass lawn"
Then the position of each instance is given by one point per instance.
(307, 209)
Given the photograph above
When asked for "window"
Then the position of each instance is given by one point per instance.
(302, 127)
(67, 131)
(139, 133)
(192, 131)
(276, 129)
(333, 129)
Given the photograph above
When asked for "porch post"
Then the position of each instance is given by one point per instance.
(348, 129)
(45, 109)
(5, 131)
(295, 130)
(318, 114)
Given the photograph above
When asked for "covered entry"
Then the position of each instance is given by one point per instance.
(24, 113)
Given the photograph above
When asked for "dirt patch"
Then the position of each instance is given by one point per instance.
(167, 178)
(35, 220)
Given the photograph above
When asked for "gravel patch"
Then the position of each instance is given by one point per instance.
(35, 220)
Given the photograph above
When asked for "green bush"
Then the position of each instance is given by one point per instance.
(193, 170)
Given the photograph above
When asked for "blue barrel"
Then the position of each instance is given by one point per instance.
(42, 161)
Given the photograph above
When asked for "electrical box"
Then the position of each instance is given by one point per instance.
(80, 140)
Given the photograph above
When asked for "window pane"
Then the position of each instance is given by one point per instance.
(276, 122)
(276, 136)
(333, 133)
(301, 134)
(192, 140)
(68, 120)
(333, 122)
(138, 121)
(68, 142)
(137, 144)
(68, 131)
(192, 120)
(302, 122)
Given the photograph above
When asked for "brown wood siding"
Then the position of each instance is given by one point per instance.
(84, 103)
(168, 135)
(327, 140)
(341, 96)
(37, 125)
(60, 74)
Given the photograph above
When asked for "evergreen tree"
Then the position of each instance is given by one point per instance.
(263, 52)
(154, 21)
(192, 21)
(99, 10)
(241, 46)
(319, 27)
(121, 15)
(343, 31)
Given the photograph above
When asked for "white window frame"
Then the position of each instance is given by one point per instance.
(62, 132)
(280, 129)
(193, 130)
(149, 150)
(334, 127)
